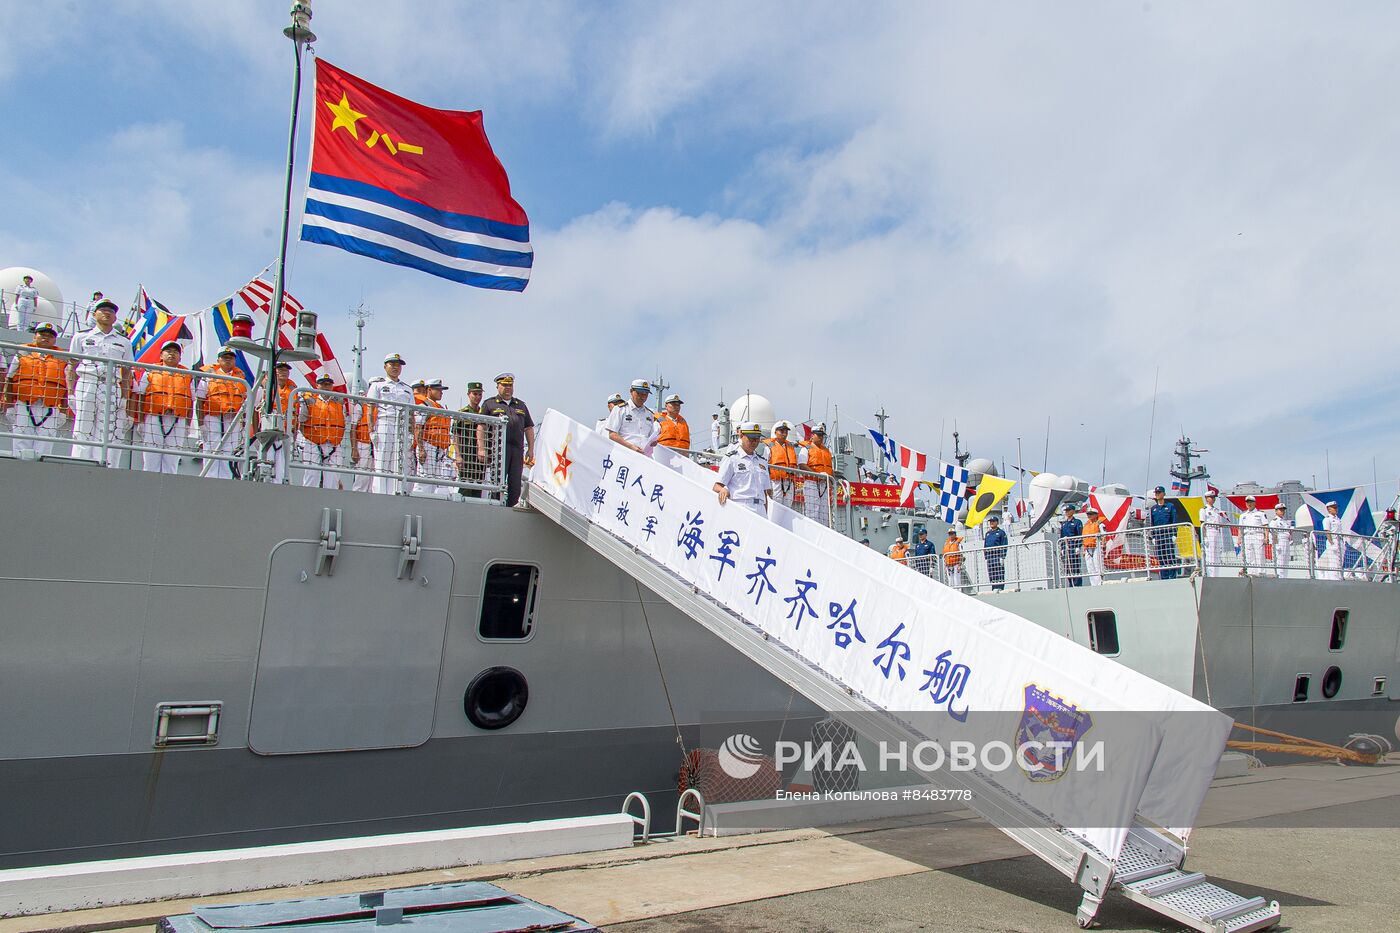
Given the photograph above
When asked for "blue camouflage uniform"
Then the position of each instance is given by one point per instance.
(924, 549)
(1070, 549)
(1164, 539)
(995, 544)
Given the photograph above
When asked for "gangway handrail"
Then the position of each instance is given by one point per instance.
(643, 821)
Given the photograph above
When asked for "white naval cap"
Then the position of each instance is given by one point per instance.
(674, 398)
(641, 385)
(751, 428)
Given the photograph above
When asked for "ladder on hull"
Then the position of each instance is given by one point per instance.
(1156, 881)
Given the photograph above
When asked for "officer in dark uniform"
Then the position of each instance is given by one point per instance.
(520, 433)
(995, 544)
(1071, 541)
(1161, 517)
(470, 468)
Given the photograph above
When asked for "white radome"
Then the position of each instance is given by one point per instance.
(1046, 480)
(753, 407)
(50, 298)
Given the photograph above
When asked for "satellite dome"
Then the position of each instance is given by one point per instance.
(50, 298)
(1067, 483)
(753, 407)
(982, 466)
(1046, 480)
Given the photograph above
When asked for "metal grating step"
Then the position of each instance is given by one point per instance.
(1190, 899)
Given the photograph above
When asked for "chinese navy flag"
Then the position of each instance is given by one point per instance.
(407, 184)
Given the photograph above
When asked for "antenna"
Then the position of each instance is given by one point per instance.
(880, 418)
(360, 314)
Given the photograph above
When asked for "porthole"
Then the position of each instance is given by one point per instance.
(496, 698)
(1331, 681)
(508, 596)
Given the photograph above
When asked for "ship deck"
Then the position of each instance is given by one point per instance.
(1318, 837)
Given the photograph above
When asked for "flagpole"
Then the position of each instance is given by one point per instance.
(301, 35)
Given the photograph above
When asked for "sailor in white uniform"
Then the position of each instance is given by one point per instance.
(1253, 536)
(743, 474)
(393, 425)
(614, 401)
(90, 312)
(98, 391)
(1281, 528)
(1329, 562)
(633, 424)
(26, 305)
(1215, 536)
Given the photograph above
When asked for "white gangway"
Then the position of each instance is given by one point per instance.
(904, 658)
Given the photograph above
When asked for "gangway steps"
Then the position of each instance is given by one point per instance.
(1148, 870)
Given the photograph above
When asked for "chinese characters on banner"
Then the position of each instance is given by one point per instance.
(902, 642)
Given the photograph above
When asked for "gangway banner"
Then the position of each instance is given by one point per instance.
(1085, 734)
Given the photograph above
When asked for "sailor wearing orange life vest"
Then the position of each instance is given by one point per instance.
(362, 445)
(953, 559)
(167, 403)
(1093, 539)
(433, 444)
(782, 453)
(321, 430)
(815, 457)
(220, 401)
(276, 451)
(675, 432)
(36, 396)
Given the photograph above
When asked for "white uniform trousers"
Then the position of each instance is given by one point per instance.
(1253, 552)
(365, 455)
(1213, 549)
(39, 424)
(94, 401)
(1093, 564)
(276, 453)
(1283, 554)
(814, 504)
(1329, 562)
(784, 491)
(167, 432)
(437, 463)
(313, 457)
(389, 456)
(222, 435)
(955, 576)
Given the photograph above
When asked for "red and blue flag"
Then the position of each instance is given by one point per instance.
(407, 184)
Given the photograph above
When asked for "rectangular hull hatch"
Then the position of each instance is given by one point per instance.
(349, 661)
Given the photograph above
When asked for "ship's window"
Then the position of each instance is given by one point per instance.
(1339, 629)
(1300, 688)
(1103, 631)
(1378, 687)
(1331, 681)
(508, 601)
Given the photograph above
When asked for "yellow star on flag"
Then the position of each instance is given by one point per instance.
(345, 115)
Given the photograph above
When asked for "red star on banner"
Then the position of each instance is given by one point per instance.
(562, 463)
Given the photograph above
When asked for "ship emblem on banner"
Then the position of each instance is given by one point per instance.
(1046, 738)
(413, 186)
(559, 476)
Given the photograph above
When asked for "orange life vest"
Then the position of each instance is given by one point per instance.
(38, 378)
(437, 429)
(367, 416)
(781, 454)
(224, 396)
(168, 391)
(325, 420)
(818, 458)
(674, 431)
(952, 556)
(899, 551)
(1091, 532)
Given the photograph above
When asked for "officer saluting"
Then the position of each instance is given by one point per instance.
(392, 424)
(520, 433)
(743, 475)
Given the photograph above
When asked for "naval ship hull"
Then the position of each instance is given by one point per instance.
(122, 591)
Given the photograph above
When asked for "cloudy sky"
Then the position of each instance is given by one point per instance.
(981, 214)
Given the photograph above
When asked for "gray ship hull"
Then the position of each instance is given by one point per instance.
(161, 589)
